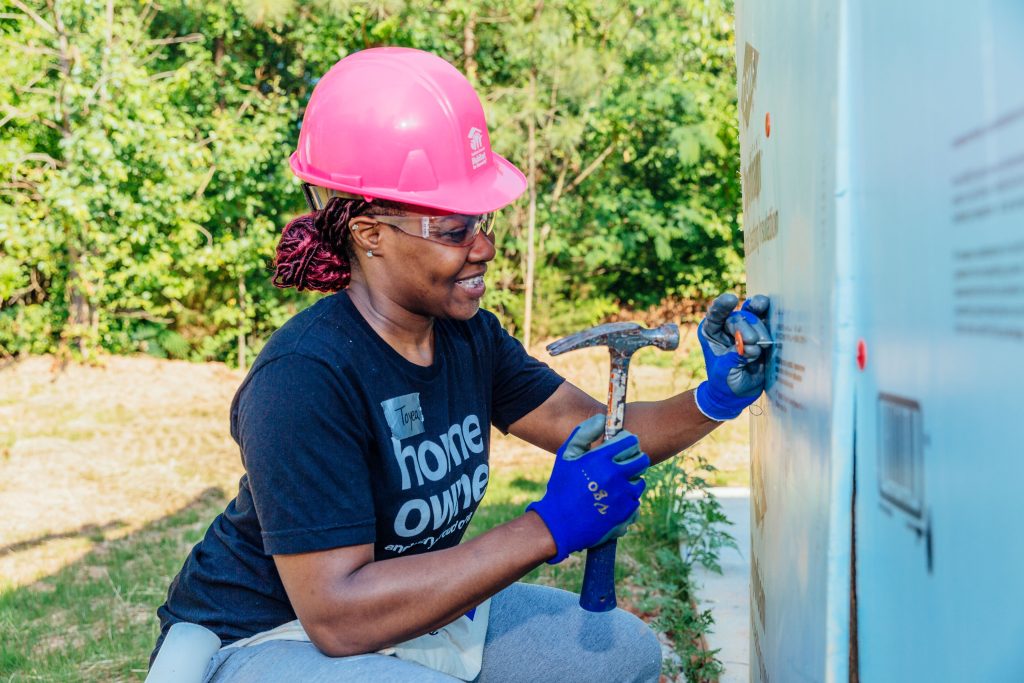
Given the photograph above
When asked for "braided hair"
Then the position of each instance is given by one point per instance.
(313, 252)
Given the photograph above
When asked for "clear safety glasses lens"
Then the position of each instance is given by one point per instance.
(454, 230)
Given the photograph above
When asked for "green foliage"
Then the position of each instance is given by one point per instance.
(144, 157)
(680, 525)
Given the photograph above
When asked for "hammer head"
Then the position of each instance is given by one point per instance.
(620, 338)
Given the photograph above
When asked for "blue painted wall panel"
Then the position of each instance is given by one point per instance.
(895, 169)
(938, 200)
(800, 498)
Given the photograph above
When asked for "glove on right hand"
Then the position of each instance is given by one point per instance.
(592, 495)
(734, 381)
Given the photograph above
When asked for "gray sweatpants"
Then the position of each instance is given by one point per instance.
(535, 634)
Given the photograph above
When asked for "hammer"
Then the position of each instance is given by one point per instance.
(622, 340)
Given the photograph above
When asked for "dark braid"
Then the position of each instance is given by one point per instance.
(313, 250)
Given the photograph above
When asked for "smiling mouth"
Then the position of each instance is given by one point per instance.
(471, 282)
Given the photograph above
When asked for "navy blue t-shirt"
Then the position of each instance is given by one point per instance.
(346, 442)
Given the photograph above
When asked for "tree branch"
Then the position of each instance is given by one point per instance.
(593, 166)
(33, 49)
(206, 233)
(22, 88)
(190, 38)
(158, 52)
(244, 107)
(146, 18)
(35, 17)
(45, 158)
(160, 43)
(38, 91)
(202, 190)
(65, 66)
(560, 182)
(20, 188)
(13, 113)
(20, 294)
(148, 13)
(494, 20)
(552, 104)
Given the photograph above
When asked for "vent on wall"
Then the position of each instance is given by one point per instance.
(900, 453)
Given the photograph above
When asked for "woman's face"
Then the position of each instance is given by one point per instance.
(431, 279)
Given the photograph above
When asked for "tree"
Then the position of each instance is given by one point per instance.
(104, 177)
(145, 175)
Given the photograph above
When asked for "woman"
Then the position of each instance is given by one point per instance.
(364, 423)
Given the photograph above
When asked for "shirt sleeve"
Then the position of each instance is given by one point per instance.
(304, 449)
(521, 382)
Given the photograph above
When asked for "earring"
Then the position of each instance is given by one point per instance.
(369, 253)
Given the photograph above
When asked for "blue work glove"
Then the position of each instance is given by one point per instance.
(734, 381)
(592, 495)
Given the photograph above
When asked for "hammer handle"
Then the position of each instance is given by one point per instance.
(598, 593)
(617, 384)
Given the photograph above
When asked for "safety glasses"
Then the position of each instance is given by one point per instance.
(453, 230)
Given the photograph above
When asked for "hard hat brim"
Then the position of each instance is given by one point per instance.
(486, 193)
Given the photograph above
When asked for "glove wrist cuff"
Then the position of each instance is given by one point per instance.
(713, 408)
(560, 552)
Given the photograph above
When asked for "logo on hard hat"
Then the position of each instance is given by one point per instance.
(478, 155)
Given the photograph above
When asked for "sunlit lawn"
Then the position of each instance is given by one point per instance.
(108, 475)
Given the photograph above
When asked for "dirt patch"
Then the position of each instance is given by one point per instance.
(93, 453)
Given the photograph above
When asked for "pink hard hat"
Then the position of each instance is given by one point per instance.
(404, 125)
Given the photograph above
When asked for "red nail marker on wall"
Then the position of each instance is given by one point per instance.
(767, 125)
(862, 354)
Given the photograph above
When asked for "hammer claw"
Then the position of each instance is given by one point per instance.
(595, 336)
(622, 339)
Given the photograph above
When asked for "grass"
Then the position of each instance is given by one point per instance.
(109, 475)
(93, 620)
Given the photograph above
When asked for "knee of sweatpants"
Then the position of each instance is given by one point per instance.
(644, 651)
(618, 646)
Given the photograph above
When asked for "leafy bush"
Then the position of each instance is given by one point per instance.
(144, 158)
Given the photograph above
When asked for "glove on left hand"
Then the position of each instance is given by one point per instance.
(734, 381)
(592, 495)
